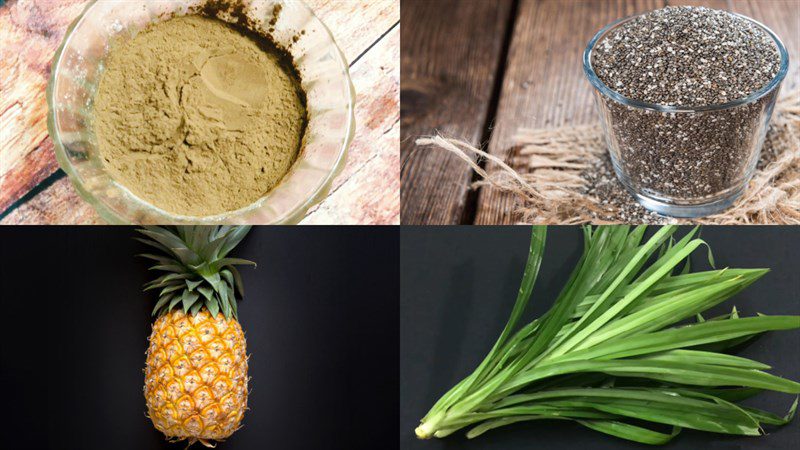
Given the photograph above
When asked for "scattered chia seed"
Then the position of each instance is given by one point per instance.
(686, 57)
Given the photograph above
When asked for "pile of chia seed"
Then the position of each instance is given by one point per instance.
(686, 57)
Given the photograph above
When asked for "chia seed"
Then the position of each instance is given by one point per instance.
(686, 57)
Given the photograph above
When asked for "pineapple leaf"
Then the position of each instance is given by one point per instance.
(173, 277)
(203, 234)
(211, 251)
(167, 268)
(224, 300)
(154, 244)
(232, 300)
(194, 236)
(237, 278)
(185, 235)
(231, 261)
(163, 237)
(175, 301)
(226, 309)
(166, 280)
(161, 259)
(222, 230)
(228, 276)
(234, 237)
(198, 273)
(207, 292)
(235, 309)
(213, 307)
(189, 299)
(171, 288)
(213, 279)
(162, 301)
(186, 256)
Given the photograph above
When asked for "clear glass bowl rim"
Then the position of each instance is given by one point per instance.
(292, 216)
(607, 91)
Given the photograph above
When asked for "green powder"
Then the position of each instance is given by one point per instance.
(198, 118)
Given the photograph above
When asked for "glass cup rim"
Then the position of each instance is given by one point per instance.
(752, 97)
(112, 216)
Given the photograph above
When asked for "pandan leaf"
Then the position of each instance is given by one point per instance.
(614, 347)
(630, 432)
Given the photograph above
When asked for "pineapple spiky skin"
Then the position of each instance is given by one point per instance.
(196, 376)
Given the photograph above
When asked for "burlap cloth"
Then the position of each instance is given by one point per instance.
(565, 176)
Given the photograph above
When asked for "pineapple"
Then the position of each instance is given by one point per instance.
(196, 372)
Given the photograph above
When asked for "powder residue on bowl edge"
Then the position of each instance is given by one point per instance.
(198, 118)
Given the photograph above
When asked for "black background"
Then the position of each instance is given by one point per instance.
(459, 284)
(320, 319)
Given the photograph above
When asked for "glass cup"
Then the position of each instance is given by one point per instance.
(78, 67)
(684, 161)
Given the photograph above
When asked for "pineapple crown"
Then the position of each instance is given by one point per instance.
(198, 271)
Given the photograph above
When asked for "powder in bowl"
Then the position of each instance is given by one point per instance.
(197, 117)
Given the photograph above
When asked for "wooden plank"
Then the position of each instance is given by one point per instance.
(356, 25)
(450, 57)
(544, 84)
(372, 197)
(30, 31)
(56, 205)
(366, 198)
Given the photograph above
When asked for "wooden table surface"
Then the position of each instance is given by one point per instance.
(482, 69)
(33, 190)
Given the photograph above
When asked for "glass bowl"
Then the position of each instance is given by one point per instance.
(726, 140)
(78, 67)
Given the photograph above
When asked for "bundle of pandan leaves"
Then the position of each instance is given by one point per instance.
(624, 348)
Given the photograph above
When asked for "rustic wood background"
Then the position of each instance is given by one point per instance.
(482, 69)
(33, 190)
